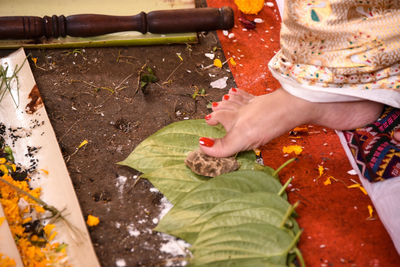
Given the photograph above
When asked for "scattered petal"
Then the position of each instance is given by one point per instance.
(320, 170)
(220, 83)
(328, 180)
(217, 63)
(358, 186)
(370, 211)
(352, 172)
(84, 142)
(92, 220)
(269, 4)
(232, 61)
(293, 148)
(210, 55)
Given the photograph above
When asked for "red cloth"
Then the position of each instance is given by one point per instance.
(334, 217)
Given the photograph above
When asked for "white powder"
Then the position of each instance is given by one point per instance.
(120, 263)
(165, 207)
(132, 230)
(175, 247)
(121, 180)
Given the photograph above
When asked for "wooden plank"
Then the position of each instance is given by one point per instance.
(57, 188)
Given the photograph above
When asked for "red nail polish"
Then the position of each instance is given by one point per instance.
(234, 90)
(226, 97)
(204, 141)
(207, 117)
(215, 104)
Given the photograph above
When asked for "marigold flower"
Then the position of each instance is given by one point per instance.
(250, 6)
(92, 220)
(217, 63)
(294, 148)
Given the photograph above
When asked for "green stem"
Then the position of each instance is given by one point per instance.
(275, 173)
(293, 247)
(285, 186)
(288, 213)
(299, 257)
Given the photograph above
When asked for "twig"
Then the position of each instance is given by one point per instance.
(69, 129)
(112, 91)
(54, 211)
(124, 80)
(169, 76)
(138, 80)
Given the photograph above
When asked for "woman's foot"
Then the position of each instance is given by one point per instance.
(251, 121)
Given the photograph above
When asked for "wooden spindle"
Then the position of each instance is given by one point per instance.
(85, 25)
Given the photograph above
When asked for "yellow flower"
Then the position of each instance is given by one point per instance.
(358, 186)
(232, 61)
(250, 6)
(320, 170)
(84, 142)
(294, 148)
(4, 169)
(6, 261)
(92, 220)
(370, 211)
(217, 63)
(328, 180)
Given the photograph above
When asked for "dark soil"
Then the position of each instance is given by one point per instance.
(93, 94)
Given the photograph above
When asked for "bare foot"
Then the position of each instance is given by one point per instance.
(251, 121)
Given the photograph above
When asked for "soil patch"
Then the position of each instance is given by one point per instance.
(94, 94)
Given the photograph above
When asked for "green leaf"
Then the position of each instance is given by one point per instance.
(247, 161)
(174, 181)
(207, 195)
(255, 242)
(258, 206)
(170, 145)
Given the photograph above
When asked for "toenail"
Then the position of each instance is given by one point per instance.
(226, 97)
(234, 90)
(207, 117)
(204, 141)
(215, 104)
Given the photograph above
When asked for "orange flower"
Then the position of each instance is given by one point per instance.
(250, 6)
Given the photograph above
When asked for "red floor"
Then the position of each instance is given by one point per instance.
(334, 217)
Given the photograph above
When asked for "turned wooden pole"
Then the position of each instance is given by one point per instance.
(85, 25)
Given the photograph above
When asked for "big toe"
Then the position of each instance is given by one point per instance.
(227, 146)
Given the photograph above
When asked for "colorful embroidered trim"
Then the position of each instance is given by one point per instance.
(375, 151)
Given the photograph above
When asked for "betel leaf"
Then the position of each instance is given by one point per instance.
(161, 157)
(248, 203)
(170, 145)
(207, 195)
(174, 181)
(247, 243)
